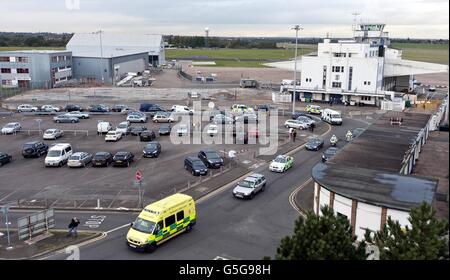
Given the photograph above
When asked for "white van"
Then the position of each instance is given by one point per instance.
(182, 109)
(103, 127)
(58, 155)
(331, 116)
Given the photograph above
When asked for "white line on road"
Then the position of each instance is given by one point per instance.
(117, 228)
(294, 193)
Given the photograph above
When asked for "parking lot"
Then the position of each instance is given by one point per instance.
(28, 182)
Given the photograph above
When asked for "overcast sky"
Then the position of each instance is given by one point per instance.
(264, 18)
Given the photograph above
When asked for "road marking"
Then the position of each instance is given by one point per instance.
(117, 228)
(294, 193)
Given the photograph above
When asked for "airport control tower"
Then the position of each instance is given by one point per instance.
(372, 33)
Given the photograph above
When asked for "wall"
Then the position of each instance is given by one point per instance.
(367, 216)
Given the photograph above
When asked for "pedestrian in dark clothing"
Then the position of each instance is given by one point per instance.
(294, 134)
(312, 126)
(73, 227)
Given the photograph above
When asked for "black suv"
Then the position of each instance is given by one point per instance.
(147, 135)
(123, 159)
(34, 149)
(151, 108)
(102, 159)
(210, 158)
(195, 166)
(4, 158)
(73, 107)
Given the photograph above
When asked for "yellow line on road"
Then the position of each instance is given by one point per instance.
(294, 193)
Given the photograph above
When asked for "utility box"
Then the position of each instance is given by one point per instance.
(248, 83)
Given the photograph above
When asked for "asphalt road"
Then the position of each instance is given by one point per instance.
(228, 227)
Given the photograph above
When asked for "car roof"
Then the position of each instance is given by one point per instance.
(78, 153)
(31, 142)
(102, 153)
(193, 158)
(257, 175)
(60, 146)
(120, 153)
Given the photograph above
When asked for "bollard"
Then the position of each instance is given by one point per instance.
(98, 202)
(189, 184)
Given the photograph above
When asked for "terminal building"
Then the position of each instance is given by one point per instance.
(364, 70)
(34, 69)
(370, 179)
(107, 57)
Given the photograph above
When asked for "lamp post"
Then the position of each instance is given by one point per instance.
(296, 28)
(101, 54)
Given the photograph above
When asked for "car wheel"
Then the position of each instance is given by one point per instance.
(252, 195)
(188, 228)
(60, 164)
(58, 121)
(193, 173)
(263, 188)
(151, 248)
(155, 121)
(128, 164)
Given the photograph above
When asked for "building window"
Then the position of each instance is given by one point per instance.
(339, 54)
(366, 98)
(22, 71)
(22, 59)
(4, 59)
(341, 215)
(6, 82)
(349, 55)
(350, 78)
(367, 83)
(336, 84)
(337, 69)
(54, 59)
(308, 80)
(6, 70)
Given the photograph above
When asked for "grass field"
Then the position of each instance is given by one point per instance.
(435, 53)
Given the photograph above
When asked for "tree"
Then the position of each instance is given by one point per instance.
(326, 237)
(426, 239)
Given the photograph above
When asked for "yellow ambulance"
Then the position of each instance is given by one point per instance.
(160, 221)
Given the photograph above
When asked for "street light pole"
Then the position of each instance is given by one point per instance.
(294, 94)
(101, 55)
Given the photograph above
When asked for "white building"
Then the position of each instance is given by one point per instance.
(363, 70)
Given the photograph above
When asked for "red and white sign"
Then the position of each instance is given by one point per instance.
(138, 176)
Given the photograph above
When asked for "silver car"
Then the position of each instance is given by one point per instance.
(250, 186)
(52, 134)
(65, 119)
(77, 114)
(79, 159)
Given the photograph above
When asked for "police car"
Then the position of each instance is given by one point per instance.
(313, 109)
(281, 163)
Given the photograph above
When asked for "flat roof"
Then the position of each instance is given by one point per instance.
(376, 187)
(107, 55)
(35, 51)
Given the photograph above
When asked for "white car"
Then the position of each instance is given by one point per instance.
(250, 186)
(11, 128)
(281, 163)
(52, 134)
(182, 109)
(58, 155)
(50, 108)
(212, 130)
(295, 124)
(113, 135)
(103, 127)
(26, 108)
(137, 118)
(183, 130)
(78, 114)
(124, 128)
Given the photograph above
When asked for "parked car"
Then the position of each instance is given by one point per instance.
(296, 115)
(103, 127)
(313, 109)
(123, 159)
(34, 149)
(183, 130)
(250, 186)
(147, 135)
(295, 124)
(137, 118)
(10, 128)
(53, 134)
(314, 144)
(281, 163)
(73, 107)
(124, 128)
(77, 114)
(26, 108)
(58, 155)
(163, 117)
(329, 153)
(113, 135)
(50, 108)
(152, 109)
(79, 159)
(210, 158)
(265, 107)
(212, 130)
(214, 112)
(306, 120)
(137, 130)
(180, 109)
(165, 129)
(119, 108)
(65, 119)
(247, 118)
(222, 119)
(195, 166)
(152, 149)
(5, 158)
(98, 109)
(102, 159)
(241, 109)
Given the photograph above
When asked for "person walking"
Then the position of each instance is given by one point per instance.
(73, 227)
(312, 126)
(294, 134)
(291, 132)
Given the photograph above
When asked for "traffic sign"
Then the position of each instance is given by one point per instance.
(138, 176)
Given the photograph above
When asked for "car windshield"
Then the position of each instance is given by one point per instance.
(335, 116)
(50, 131)
(246, 184)
(54, 153)
(9, 125)
(111, 133)
(151, 146)
(330, 152)
(100, 156)
(76, 157)
(198, 165)
(143, 225)
(212, 155)
(280, 159)
(25, 146)
(122, 125)
(314, 140)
